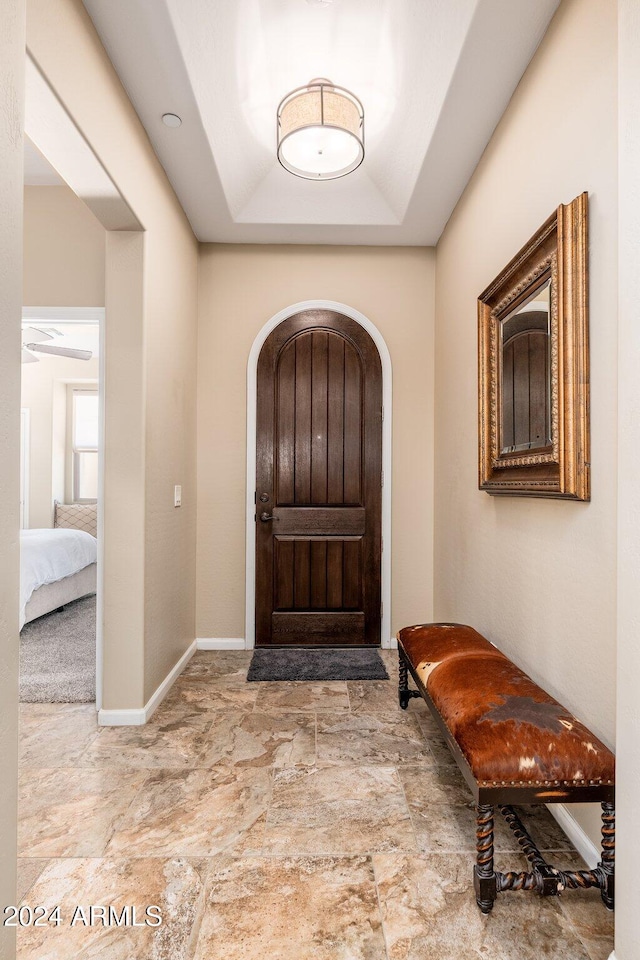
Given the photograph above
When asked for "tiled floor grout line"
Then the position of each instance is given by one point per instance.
(194, 935)
(351, 710)
(380, 911)
(266, 811)
(406, 800)
(316, 737)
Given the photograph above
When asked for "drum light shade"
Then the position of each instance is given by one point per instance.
(320, 131)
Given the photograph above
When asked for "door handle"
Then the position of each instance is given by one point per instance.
(265, 517)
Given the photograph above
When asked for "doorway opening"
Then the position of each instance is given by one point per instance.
(60, 460)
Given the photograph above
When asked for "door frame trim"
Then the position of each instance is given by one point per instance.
(252, 395)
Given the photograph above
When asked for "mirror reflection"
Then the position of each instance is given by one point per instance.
(525, 374)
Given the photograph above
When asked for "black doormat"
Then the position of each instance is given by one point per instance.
(330, 664)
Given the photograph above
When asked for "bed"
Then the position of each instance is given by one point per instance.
(56, 567)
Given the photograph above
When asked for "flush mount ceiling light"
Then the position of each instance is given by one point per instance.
(171, 120)
(320, 131)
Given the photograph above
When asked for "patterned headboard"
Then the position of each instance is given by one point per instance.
(77, 516)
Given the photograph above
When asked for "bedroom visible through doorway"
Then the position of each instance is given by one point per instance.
(59, 495)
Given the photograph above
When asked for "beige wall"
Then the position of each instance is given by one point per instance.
(628, 666)
(12, 15)
(241, 288)
(156, 345)
(538, 577)
(63, 266)
(125, 490)
(63, 250)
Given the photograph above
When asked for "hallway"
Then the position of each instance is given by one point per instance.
(273, 820)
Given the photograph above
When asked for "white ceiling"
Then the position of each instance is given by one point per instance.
(434, 76)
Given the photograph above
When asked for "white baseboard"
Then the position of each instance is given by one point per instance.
(239, 643)
(612, 955)
(122, 718)
(156, 698)
(221, 643)
(576, 834)
(137, 717)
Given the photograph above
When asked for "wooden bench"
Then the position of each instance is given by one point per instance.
(514, 744)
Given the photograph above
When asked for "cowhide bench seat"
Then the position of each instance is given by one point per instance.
(514, 744)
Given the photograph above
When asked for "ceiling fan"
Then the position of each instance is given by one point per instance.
(34, 340)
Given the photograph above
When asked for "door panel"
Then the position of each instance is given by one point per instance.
(306, 520)
(318, 574)
(335, 421)
(319, 459)
(302, 420)
(319, 414)
(317, 629)
(286, 418)
(353, 424)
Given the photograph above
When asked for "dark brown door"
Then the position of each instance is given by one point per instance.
(525, 388)
(318, 484)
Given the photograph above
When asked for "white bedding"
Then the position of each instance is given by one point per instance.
(50, 555)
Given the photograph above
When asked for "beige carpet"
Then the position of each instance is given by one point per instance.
(58, 656)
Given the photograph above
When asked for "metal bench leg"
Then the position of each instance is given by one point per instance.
(607, 864)
(484, 877)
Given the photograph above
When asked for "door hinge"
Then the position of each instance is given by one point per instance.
(381, 608)
(255, 496)
(382, 478)
(383, 414)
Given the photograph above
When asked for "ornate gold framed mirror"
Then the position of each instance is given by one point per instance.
(533, 364)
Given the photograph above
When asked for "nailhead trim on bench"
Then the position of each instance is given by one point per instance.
(545, 783)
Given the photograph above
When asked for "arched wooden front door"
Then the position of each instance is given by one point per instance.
(318, 484)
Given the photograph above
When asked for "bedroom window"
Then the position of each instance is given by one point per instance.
(84, 429)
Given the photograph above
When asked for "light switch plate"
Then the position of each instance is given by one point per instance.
(177, 495)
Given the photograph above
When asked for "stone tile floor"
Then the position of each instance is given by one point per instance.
(273, 821)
